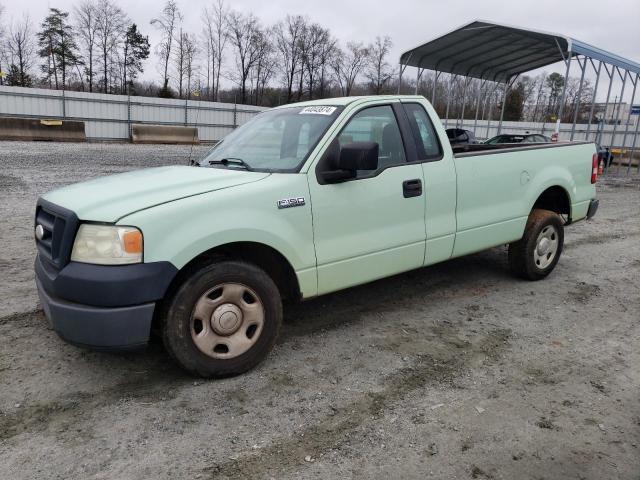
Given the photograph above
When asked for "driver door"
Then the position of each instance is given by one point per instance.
(371, 226)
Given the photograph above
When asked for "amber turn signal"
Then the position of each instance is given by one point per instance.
(132, 241)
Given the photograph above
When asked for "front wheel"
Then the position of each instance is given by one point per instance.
(536, 254)
(222, 320)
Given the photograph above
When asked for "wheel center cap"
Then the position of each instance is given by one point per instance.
(543, 246)
(226, 319)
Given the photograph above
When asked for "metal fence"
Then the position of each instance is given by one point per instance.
(109, 117)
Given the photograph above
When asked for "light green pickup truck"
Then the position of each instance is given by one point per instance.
(303, 200)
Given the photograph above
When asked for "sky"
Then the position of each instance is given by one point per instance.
(612, 25)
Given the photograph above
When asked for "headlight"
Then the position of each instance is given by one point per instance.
(107, 245)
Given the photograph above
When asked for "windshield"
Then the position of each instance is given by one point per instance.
(275, 141)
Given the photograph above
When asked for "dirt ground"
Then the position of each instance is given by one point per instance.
(453, 371)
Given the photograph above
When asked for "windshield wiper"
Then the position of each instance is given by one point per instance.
(231, 161)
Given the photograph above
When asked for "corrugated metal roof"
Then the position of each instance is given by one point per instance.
(497, 52)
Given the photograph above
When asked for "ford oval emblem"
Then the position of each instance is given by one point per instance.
(39, 232)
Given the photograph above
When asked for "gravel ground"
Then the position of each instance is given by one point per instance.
(453, 371)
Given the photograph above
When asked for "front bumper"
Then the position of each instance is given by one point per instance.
(102, 307)
(123, 328)
(593, 208)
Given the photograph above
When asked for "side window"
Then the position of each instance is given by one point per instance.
(376, 124)
(427, 141)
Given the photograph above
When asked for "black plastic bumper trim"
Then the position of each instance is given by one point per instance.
(106, 285)
(124, 328)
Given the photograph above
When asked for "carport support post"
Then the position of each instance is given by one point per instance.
(583, 67)
(593, 98)
(626, 128)
(418, 76)
(464, 101)
(617, 110)
(606, 104)
(475, 121)
(402, 69)
(564, 93)
(433, 92)
(504, 103)
(633, 147)
(446, 115)
(490, 102)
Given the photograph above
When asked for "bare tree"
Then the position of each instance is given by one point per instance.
(190, 67)
(179, 60)
(378, 70)
(184, 61)
(264, 65)
(287, 35)
(110, 32)
(167, 24)
(86, 24)
(21, 49)
(243, 33)
(348, 65)
(215, 33)
(328, 50)
(318, 42)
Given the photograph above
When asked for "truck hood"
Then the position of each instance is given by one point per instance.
(108, 199)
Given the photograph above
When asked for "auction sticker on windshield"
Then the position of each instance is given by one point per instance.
(319, 110)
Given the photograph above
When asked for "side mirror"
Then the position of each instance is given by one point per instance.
(359, 156)
(353, 157)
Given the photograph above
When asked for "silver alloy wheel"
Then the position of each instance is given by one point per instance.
(227, 320)
(546, 247)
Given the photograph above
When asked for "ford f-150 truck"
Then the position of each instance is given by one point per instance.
(303, 200)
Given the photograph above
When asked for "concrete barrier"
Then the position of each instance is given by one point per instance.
(12, 128)
(142, 133)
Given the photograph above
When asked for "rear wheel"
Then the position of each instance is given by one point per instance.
(536, 254)
(222, 320)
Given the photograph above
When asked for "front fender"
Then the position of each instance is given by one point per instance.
(180, 231)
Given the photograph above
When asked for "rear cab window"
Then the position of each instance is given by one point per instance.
(424, 134)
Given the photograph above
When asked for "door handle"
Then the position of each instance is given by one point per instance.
(412, 188)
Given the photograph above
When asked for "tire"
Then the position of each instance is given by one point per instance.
(223, 305)
(531, 257)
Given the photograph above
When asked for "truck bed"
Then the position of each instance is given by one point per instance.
(483, 149)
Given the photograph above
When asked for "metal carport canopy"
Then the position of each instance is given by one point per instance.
(495, 52)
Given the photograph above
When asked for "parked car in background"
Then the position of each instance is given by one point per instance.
(527, 138)
(460, 136)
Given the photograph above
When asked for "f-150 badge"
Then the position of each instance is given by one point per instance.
(291, 202)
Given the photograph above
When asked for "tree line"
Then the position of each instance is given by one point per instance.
(96, 47)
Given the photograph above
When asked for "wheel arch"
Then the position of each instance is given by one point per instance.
(264, 256)
(556, 199)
